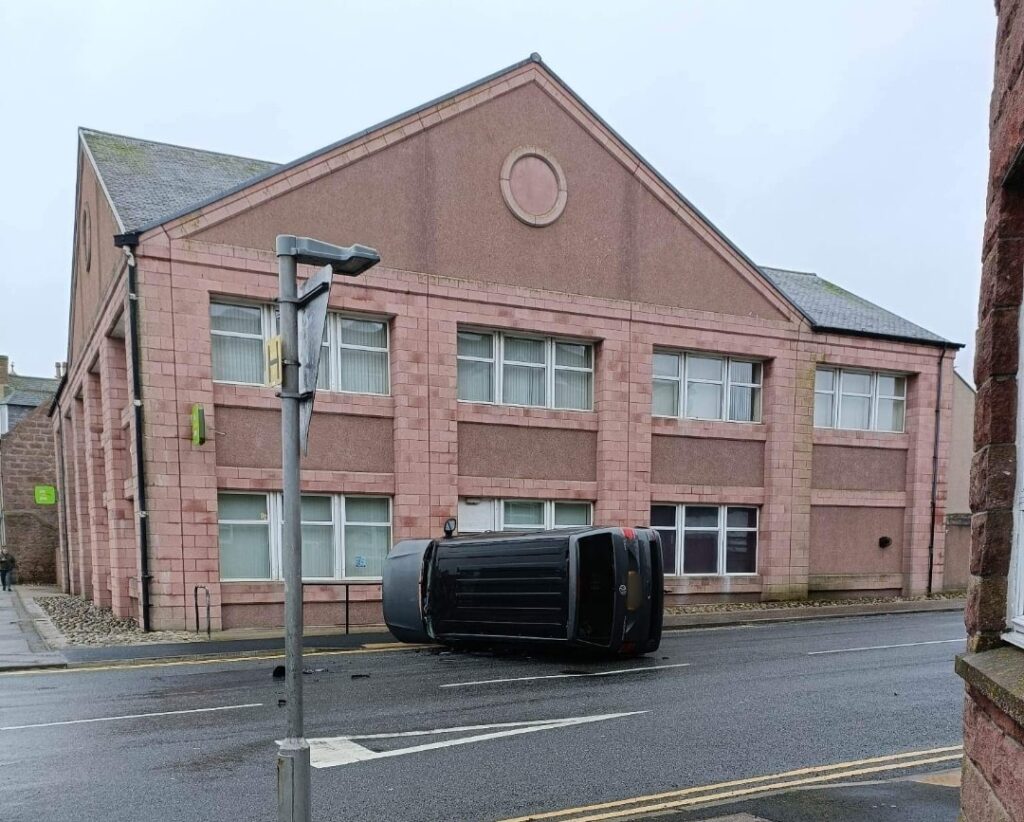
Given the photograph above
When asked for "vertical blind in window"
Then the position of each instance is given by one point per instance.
(859, 400)
(236, 335)
(244, 536)
(703, 387)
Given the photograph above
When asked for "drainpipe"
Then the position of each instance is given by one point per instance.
(128, 242)
(62, 469)
(935, 471)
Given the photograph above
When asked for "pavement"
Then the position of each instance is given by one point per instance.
(833, 719)
(20, 645)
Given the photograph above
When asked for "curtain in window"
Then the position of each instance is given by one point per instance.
(237, 359)
(317, 537)
(524, 384)
(523, 514)
(573, 389)
(364, 372)
(243, 536)
(571, 513)
(476, 381)
(367, 536)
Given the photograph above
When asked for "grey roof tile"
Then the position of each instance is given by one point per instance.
(150, 181)
(829, 307)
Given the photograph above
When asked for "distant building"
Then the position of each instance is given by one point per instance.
(28, 527)
(555, 335)
(956, 568)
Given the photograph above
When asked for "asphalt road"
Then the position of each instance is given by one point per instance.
(715, 705)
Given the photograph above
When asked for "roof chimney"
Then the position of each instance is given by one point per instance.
(5, 368)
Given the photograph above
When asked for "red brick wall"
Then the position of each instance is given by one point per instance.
(992, 788)
(27, 460)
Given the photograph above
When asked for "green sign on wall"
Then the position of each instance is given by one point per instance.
(45, 495)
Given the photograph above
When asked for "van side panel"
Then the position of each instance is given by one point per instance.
(515, 587)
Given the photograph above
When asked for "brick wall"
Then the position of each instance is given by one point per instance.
(992, 739)
(27, 460)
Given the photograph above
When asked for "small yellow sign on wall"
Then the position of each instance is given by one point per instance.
(275, 376)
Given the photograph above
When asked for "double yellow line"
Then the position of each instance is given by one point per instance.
(745, 788)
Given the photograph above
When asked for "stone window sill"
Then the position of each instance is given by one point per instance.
(998, 675)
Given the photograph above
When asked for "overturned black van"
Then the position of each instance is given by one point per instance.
(586, 587)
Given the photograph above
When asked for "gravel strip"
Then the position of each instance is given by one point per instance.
(82, 623)
(725, 607)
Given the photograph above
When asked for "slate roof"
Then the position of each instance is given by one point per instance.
(148, 182)
(831, 308)
(28, 391)
(151, 183)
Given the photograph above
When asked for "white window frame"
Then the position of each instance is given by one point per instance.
(334, 341)
(837, 393)
(275, 522)
(273, 534)
(498, 363)
(498, 513)
(723, 528)
(725, 383)
(1015, 577)
(268, 324)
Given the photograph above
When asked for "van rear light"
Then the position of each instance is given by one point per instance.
(629, 533)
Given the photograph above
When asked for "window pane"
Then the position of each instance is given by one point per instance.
(889, 386)
(366, 509)
(366, 547)
(666, 399)
(822, 410)
(476, 344)
(242, 506)
(703, 401)
(666, 365)
(317, 550)
(237, 359)
(520, 349)
(741, 517)
(700, 552)
(703, 368)
(371, 333)
(890, 415)
(323, 374)
(524, 514)
(668, 550)
(476, 381)
(663, 516)
(523, 385)
(572, 389)
(824, 379)
(364, 372)
(744, 404)
(240, 319)
(855, 382)
(316, 509)
(741, 552)
(854, 412)
(701, 516)
(576, 355)
(749, 372)
(572, 513)
(244, 551)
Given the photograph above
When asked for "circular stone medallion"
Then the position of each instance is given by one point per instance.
(533, 185)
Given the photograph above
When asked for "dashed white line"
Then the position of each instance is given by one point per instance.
(885, 647)
(616, 672)
(132, 716)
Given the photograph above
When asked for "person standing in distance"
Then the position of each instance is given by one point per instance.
(7, 564)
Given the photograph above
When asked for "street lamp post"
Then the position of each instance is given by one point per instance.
(299, 362)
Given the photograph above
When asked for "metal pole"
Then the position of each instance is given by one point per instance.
(293, 754)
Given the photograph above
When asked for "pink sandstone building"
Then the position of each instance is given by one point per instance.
(555, 335)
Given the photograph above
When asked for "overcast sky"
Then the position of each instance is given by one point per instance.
(845, 138)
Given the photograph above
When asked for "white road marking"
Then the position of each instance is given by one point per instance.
(329, 752)
(133, 716)
(884, 647)
(616, 672)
